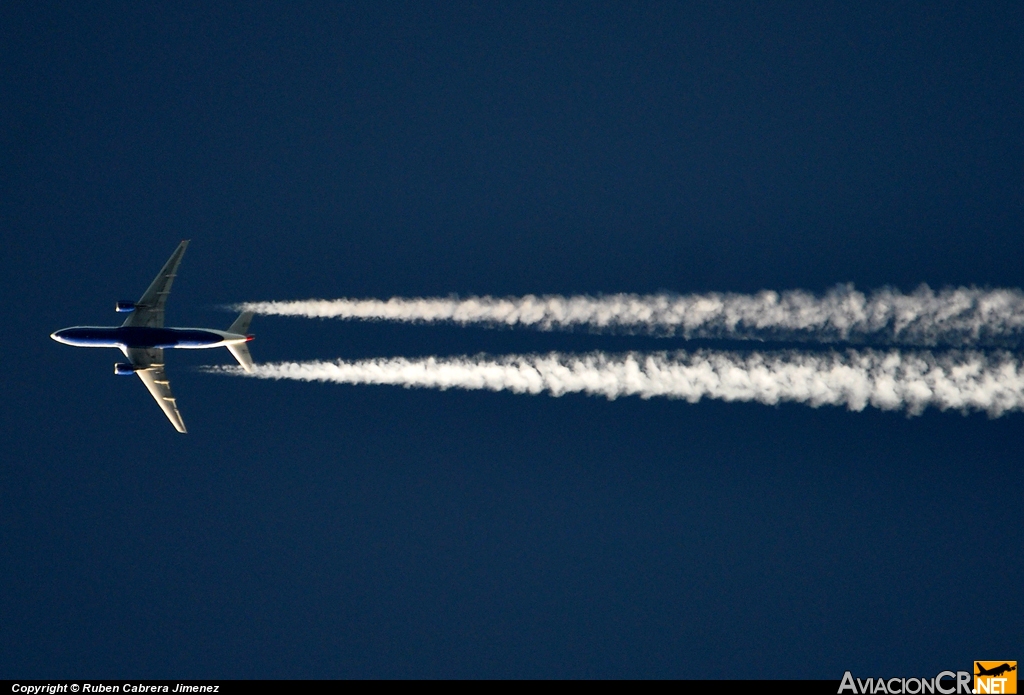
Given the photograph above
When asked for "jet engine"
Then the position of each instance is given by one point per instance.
(122, 369)
(124, 307)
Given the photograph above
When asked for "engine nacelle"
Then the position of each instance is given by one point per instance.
(122, 369)
(124, 307)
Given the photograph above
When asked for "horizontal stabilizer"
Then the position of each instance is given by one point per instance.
(241, 353)
(241, 324)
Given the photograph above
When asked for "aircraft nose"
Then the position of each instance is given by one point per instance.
(58, 336)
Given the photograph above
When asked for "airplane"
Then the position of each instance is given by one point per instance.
(142, 338)
(994, 671)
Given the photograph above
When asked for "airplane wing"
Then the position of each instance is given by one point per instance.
(151, 370)
(149, 311)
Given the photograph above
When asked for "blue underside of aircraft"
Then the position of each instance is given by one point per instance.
(137, 337)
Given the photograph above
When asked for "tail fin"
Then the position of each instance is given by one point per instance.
(241, 324)
(241, 350)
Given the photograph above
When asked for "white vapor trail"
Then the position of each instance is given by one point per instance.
(890, 380)
(953, 317)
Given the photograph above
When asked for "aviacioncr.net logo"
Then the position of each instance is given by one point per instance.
(945, 683)
(995, 677)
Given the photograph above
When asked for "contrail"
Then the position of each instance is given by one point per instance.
(889, 380)
(958, 317)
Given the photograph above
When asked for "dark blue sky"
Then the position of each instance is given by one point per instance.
(374, 149)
